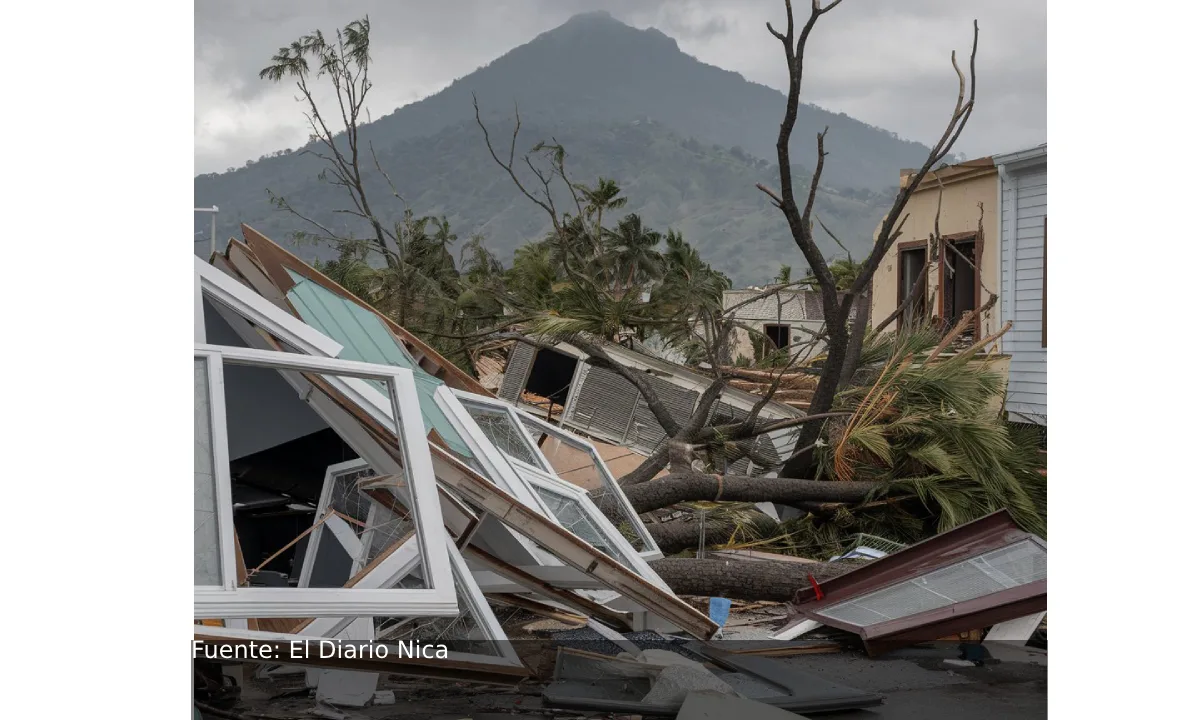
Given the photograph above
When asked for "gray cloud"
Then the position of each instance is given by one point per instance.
(884, 62)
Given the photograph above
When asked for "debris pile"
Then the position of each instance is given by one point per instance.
(369, 518)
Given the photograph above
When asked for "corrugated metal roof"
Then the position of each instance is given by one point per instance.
(365, 338)
(361, 333)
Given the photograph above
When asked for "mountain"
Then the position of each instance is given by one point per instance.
(685, 140)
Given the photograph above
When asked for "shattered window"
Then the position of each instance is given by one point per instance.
(581, 466)
(464, 633)
(207, 563)
(504, 433)
(573, 517)
(534, 431)
(347, 500)
(377, 526)
(606, 498)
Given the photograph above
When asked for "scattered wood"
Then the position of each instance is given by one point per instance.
(745, 607)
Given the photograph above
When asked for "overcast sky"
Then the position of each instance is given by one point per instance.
(885, 62)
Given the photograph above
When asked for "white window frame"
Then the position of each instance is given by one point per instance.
(245, 310)
(231, 601)
(495, 461)
(494, 404)
(652, 551)
(399, 563)
(631, 557)
(547, 472)
(326, 499)
(524, 476)
(220, 288)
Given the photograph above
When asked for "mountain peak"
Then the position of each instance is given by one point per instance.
(593, 17)
(599, 30)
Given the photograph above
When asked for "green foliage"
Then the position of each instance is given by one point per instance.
(933, 431)
(613, 282)
(845, 272)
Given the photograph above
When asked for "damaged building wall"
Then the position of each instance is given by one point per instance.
(602, 404)
(787, 318)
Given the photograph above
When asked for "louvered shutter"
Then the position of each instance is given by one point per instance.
(645, 433)
(520, 360)
(603, 402)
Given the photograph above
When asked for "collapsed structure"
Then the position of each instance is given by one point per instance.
(353, 485)
(404, 496)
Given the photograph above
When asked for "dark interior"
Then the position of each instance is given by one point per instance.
(781, 335)
(551, 375)
(960, 282)
(275, 491)
(911, 263)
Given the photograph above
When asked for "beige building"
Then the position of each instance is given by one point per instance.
(1007, 252)
(959, 281)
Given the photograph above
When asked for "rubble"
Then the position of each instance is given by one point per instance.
(385, 500)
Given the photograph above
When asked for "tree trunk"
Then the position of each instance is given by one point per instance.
(679, 535)
(757, 580)
(858, 332)
(650, 467)
(822, 401)
(692, 486)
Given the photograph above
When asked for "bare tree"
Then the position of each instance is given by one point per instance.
(846, 316)
(575, 215)
(844, 342)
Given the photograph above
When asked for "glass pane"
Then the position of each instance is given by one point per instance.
(504, 433)
(585, 469)
(347, 500)
(1007, 567)
(571, 514)
(464, 633)
(206, 541)
(379, 518)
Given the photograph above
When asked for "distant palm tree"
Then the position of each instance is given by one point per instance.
(631, 250)
(601, 197)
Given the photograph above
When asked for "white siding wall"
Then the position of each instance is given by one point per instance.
(1022, 299)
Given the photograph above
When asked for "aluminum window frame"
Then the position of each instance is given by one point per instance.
(230, 601)
(630, 557)
(652, 551)
(325, 501)
(491, 404)
(463, 577)
(964, 543)
(550, 479)
(494, 461)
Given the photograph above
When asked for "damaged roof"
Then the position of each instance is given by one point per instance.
(973, 576)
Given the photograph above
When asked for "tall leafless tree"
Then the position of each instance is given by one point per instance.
(844, 341)
(846, 313)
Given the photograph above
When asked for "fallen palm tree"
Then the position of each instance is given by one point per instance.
(919, 446)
